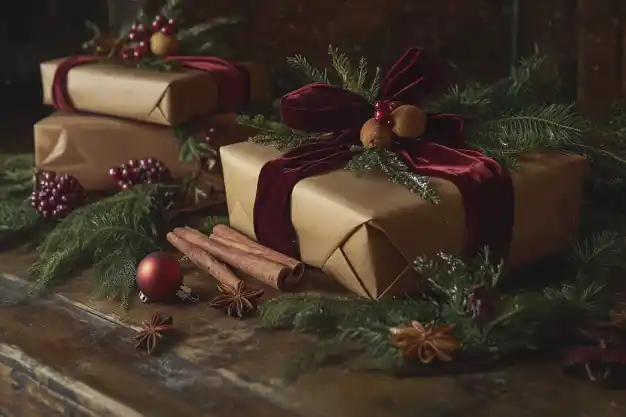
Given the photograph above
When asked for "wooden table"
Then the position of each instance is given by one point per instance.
(69, 355)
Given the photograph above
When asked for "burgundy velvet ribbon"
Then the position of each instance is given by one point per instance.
(232, 81)
(440, 152)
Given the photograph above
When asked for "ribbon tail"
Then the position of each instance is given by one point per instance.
(485, 187)
(60, 96)
(277, 179)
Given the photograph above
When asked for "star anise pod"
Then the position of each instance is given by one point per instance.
(236, 301)
(425, 343)
(152, 332)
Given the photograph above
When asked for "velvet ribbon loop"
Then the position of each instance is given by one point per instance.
(440, 152)
(232, 81)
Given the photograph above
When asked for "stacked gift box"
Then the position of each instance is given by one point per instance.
(109, 112)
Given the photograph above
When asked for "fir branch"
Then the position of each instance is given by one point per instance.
(191, 149)
(300, 63)
(354, 79)
(211, 222)
(16, 184)
(367, 160)
(276, 134)
(123, 224)
(203, 29)
(172, 8)
(506, 138)
(342, 66)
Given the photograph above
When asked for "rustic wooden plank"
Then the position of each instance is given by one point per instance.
(599, 58)
(235, 361)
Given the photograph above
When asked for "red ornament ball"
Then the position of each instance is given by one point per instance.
(159, 276)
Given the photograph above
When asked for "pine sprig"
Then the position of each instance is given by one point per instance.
(368, 160)
(16, 184)
(276, 134)
(524, 321)
(300, 63)
(105, 233)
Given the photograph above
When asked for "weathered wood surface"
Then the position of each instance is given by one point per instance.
(52, 348)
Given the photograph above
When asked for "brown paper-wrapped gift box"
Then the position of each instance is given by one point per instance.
(165, 98)
(88, 146)
(365, 231)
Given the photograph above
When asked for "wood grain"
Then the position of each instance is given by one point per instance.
(222, 367)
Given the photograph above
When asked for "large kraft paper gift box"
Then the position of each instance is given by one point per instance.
(87, 146)
(160, 97)
(365, 231)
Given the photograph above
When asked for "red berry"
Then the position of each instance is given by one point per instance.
(156, 26)
(159, 18)
(132, 163)
(115, 173)
(138, 53)
(208, 139)
(126, 54)
(167, 30)
(141, 28)
(380, 115)
(125, 186)
(172, 22)
(134, 27)
(378, 105)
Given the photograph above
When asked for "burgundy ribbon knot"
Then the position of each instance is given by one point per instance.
(441, 152)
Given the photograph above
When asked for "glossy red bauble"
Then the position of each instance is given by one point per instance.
(159, 276)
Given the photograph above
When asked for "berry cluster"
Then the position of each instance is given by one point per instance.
(143, 171)
(140, 35)
(382, 111)
(56, 195)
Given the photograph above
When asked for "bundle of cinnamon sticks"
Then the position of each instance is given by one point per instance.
(226, 247)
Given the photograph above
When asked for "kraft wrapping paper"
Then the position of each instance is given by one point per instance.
(87, 146)
(165, 98)
(365, 231)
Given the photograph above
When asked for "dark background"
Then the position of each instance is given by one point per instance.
(585, 40)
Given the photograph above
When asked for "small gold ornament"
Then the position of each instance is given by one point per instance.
(164, 45)
(408, 121)
(375, 134)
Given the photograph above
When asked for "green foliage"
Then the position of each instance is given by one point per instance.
(368, 160)
(347, 76)
(523, 321)
(275, 134)
(212, 221)
(16, 184)
(505, 119)
(112, 235)
(191, 149)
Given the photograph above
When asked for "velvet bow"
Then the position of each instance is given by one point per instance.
(440, 152)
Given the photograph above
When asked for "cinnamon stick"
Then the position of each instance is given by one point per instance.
(265, 270)
(204, 260)
(230, 237)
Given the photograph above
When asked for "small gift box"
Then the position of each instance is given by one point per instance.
(201, 87)
(88, 146)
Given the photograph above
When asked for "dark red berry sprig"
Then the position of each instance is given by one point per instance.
(56, 195)
(142, 171)
(140, 35)
(382, 111)
(164, 25)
